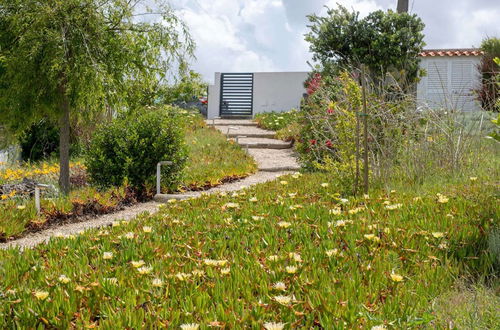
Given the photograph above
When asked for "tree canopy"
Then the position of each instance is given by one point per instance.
(383, 41)
(74, 58)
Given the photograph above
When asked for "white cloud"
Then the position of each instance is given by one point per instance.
(267, 35)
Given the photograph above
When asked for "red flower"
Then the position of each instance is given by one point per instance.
(313, 142)
(313, 84)
(330, 111)
(328, 143)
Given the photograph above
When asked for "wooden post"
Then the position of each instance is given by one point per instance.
(356, 178)
(402, 6)
(365, 133)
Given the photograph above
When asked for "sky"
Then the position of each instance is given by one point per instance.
(268, 35)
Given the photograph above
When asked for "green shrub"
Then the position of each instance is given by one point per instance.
(128, 150)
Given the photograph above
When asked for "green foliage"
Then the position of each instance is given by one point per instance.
(384, 41)
(275, 121)
(190, 86)
(303, 224)
(328, 135)
(77, 58)
(39, 141)
(128, 150)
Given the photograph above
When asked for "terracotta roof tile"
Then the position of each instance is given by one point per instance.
(452, 52)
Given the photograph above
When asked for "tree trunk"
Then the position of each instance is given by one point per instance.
(64, 136)
(402, 6)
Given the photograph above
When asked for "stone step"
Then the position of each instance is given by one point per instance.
(275, 160)
(247, 131)
(263, 143)
(230, 122)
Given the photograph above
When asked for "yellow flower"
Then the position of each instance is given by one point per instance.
(473, 178)
(296, 175)
(284, 182)
(64, 279)
(253, 200)
(273, 258)
(324, 184)
(182, 276)
(372, 237)
(442, 199)
(379, 327)
(231, 205)
(190, 326)
(295, 256)
(130, 235)
(291, 269)
(396, 278)
(137, 264)
(225, 271)
(283, 300)
(41, 295)
(107, 255)
(438, 235)
(284, 224)
(147, 229)
(4, 197)
(274, 326)
(21, 207)
(211, 262)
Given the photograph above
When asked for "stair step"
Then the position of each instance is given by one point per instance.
(230, 122)
(263, 143)
(246, 131)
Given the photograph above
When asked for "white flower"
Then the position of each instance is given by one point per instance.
(442, 199)
(283, 300)
(115, 223)
(182, 276)
(274, 326)
(324, 185)
(157, 282)
(379, 327)
(107, 255)
(296, 175)
(21, 207)
(295, 256)
(211, 262)
(64, 279)
(372, 237)
(253, 199)
(332, 252)
(393, 206)
(437, 235)
(284, 224)
(283, 182)
(144, 270)
(190, 326)
(129, 235)
(291, 269)
(225, 271)
(280, 286)
(344, 201)
(147, 229)
(273, 258)
(396, 277)
(335, 211)
(231, 205)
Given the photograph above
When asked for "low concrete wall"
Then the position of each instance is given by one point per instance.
(214, 98)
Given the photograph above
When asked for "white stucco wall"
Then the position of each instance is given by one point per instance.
(452, 85)
(277, 91)
(272, 91)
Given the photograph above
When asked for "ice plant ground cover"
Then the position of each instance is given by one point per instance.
(290, 252)
(211, 160)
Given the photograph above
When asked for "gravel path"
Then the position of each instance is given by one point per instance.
(274, 163)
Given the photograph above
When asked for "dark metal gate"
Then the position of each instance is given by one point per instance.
(236, 94)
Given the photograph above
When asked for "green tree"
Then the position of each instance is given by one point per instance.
(72, 59)
(383, 41)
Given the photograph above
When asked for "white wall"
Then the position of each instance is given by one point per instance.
(214, 98)
(272, 91)
(277, 91)
(449, 83)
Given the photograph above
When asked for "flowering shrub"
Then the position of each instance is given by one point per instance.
(276, 121)
(128, 150)
(328, 135)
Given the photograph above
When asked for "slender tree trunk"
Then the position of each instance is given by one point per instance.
(64, 136)
(402, 6)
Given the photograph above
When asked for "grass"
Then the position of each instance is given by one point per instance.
(290, 251)
(212, 161)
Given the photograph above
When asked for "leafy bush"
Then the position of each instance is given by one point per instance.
(39, 141)
(327, 138)
(128, 150)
